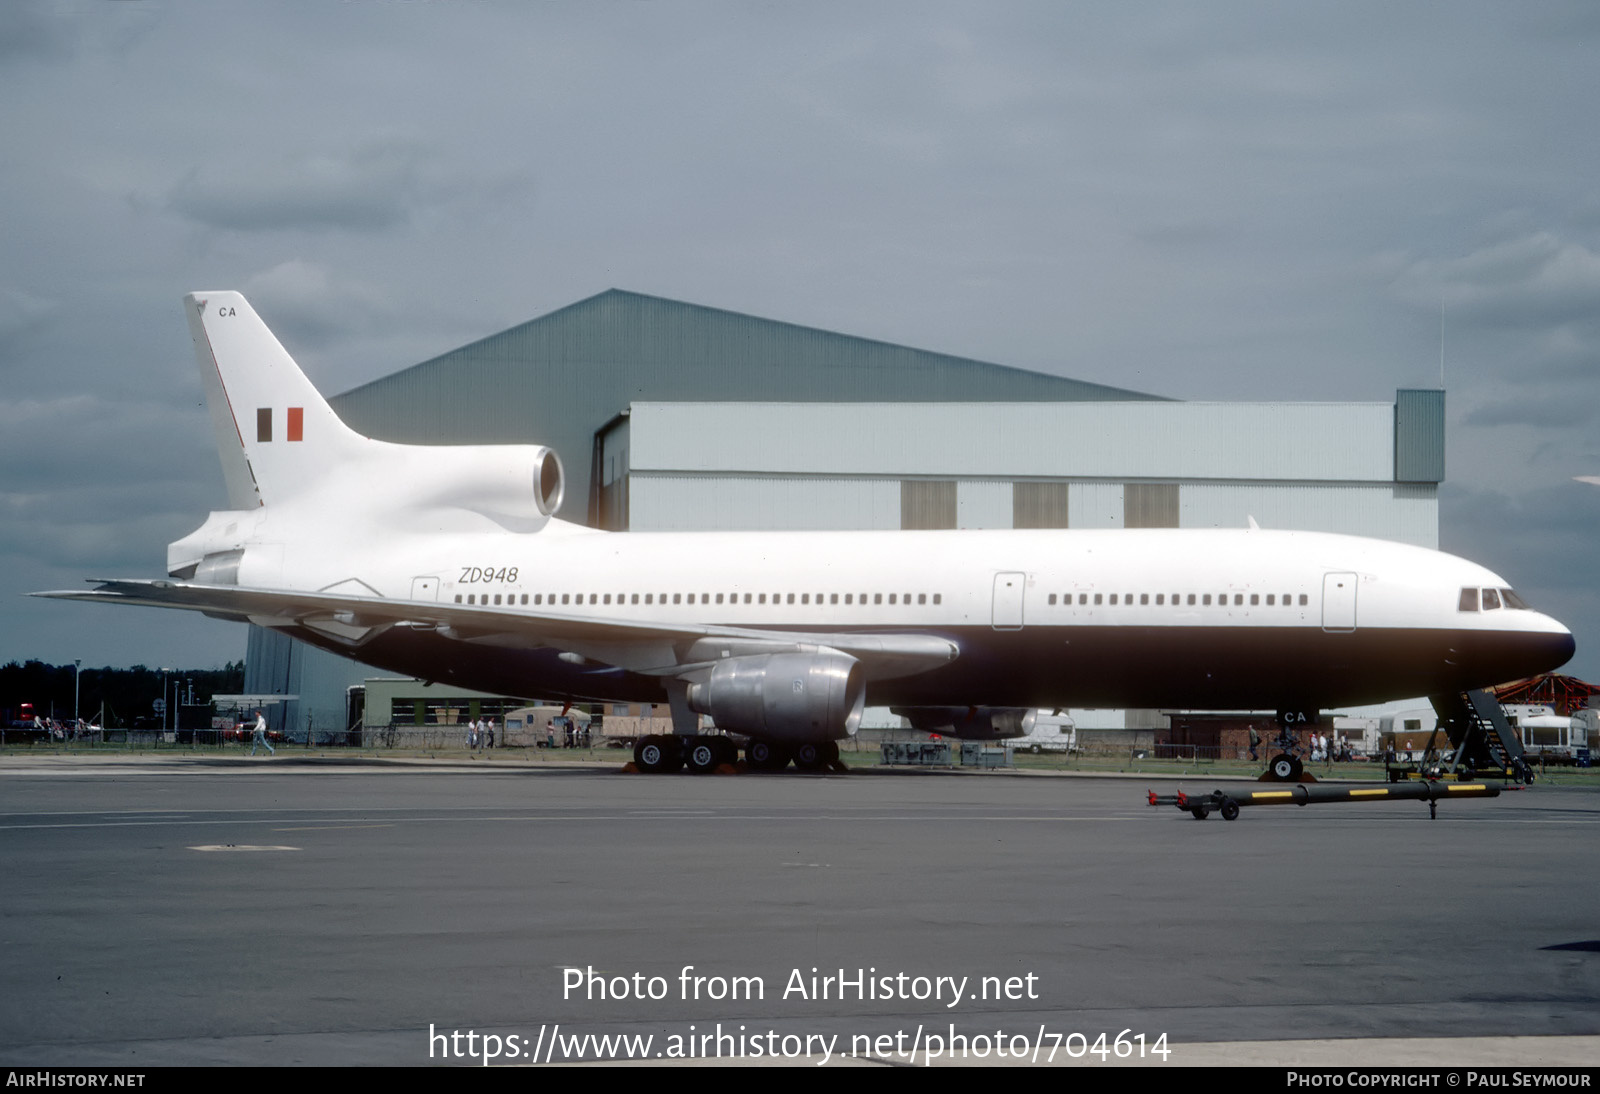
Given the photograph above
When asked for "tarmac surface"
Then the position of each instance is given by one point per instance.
(158, 910)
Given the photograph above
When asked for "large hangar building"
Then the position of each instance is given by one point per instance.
(674, 416)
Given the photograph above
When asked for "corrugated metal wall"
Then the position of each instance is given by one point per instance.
(1108, 440)
(1406, 513)
(684, 503)
(983, 504)
(1418, 435)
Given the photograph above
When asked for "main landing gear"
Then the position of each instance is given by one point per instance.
(663, 753)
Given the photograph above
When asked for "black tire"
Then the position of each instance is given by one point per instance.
(1284, 768)
(766, 756)
(727, 751)
(1199, 814)
(1229, 810)
(649, 755)
(703, 755)
(808, 757)
(658, 754)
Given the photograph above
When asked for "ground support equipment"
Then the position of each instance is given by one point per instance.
(1229, 803)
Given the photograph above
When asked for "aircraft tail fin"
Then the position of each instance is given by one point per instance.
(275, 432)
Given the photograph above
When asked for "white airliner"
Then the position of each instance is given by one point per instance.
(446, 563)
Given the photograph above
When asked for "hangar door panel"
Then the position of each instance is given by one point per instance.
(1008, 590)
(1339, 602)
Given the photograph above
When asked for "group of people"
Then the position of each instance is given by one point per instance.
(1322, 748)
(480, 734)
(572, 734)
(1330, 749)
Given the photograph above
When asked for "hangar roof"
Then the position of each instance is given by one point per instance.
(557, 379)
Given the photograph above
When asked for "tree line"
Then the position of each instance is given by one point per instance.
(127, 695)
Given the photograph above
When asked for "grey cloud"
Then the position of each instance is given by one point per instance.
(364, 190)
(1533, 280)
(31, 30)
(306, 304)
(20, 313)
(1554, 412)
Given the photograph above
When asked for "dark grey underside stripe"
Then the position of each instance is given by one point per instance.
(1206, 668)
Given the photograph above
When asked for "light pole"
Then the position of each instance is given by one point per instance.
(77, 665)
(164, 673)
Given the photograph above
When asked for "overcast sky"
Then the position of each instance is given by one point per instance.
(1208, 201)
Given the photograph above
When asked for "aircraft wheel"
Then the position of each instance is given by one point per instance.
(1229, 810)
(704, 755)
(647, 754)
(766, 756)
(657, 755)
(808, 757)
(1284, 768)
(830, 753)
(727, 751)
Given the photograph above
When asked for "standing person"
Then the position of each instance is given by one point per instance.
(488, 731)
(1255, 743)
(259, 737)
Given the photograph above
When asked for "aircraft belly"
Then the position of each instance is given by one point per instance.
(1232, 668)
(1214, 668)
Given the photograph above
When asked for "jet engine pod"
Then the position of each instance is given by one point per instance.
(787, 697)
(970, 723)
(517, 485)
(549, 482)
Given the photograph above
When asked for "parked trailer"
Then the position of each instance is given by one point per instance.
(1047, 731)
(1548, 737)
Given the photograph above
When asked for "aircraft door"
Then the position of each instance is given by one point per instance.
(1339, 602)
(424, 588)
(1008, 590)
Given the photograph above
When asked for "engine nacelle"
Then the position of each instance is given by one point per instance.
(794, 698)
(515, 481)
(970, 723)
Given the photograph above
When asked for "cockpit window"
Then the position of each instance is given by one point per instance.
(1512, 600)
(1469, 600)
(1491, 600)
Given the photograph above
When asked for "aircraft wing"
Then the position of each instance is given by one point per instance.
(660, 649)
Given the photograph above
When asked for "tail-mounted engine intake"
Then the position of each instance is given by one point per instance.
(970, 723)
(789, 697)
(515, 481)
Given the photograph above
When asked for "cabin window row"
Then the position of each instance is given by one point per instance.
(1490, 599)
(1183, 599)
(651, 599)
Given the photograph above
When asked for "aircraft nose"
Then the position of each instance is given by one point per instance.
(1563, 647)
(1555, 646)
